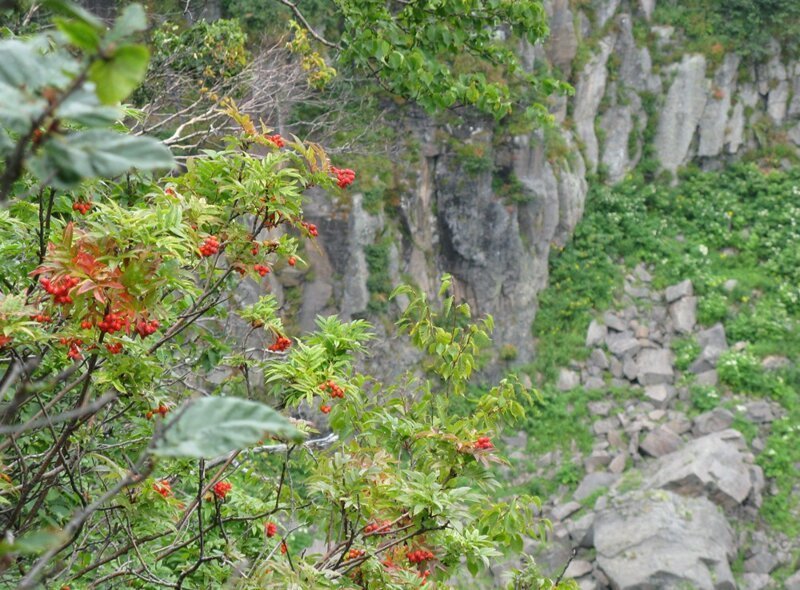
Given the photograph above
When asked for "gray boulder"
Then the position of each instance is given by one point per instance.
(682, 289)
(661, 441)
(684, 314)
(622, 344)
(593, 482)
(567, 380)
(658, 539)
(793, 581)
(654, 366)
(596, 334)
(712, 344)
(714, 420)
(715, 466)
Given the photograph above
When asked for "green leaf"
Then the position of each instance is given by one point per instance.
(120, 75)
(74, 11)
(19, 64)
(212, 426)
(79, 33)
(65, 160)
(132, 20)
(83, 107)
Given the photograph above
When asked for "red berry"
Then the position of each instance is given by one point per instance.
(210, 246)
(163, 487)
(344, 177)
(115, 348)
(280, 345)
(261, 269)
(221, 489)
(284, 548)
(325, 409)
(86, 324)
(271, 529)
(292, 261)
(275, 139)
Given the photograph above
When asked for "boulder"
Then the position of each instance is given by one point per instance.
(660, 394)
(682, 289)
(753, 581)
(593, 482)
(684, 314)
(596, 334)
(712, 344)
(563, 511)
(622, 344)
(654, 366)
(578, 568)
(792, 582)
(660, 441)
(598, 359)
(759, 412)
(715, 465)
(714, 420)
(581, 531)
(658, 539)
(567, 380)
(614, 322)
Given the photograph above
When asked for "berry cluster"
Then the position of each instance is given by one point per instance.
(59, 288)
(210, 246)
(261, 269)
(74, 344)
(310, 228)
(484, 442)
(82, 207)
(163, 487)
(42, 318)
(87, 324)
(325, 409)
(378, 527)
(4, 340)
(419, 556)
(111, 323)
(145, 328)
(355, 553)
(276, 139)
(281, 344)
(331, 386)
(271, 529)
(162, 410)
(284, 548)
(221, 489)
(115, 348)
(344, 177)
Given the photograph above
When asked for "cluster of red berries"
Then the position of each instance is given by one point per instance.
(87, 324)
(221, 489)
(74, 344)
(271, 529)
(310, 228)
(276, 139)
(484, 442)
(284, 548)
(261, 269)
(331, 386)
(344, 177)
(145, 328)
(163, 487)
(210, 246)
(378, 527)
(162, 410)
(60, 288)
(281, 344)
(42, 318)
(82, 207)
(4, 340)
(355, 553)
(111, 323)
(115, 348)
(419, 556)
(325, 409)
(255, 248)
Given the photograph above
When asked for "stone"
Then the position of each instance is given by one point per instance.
(578, 568)
(593, 383)
(630, 369)
(593, 482)
(752, 581)
(684, 314)
(600, 408)
(713, 125)
(714, 466)
(682, 289)
(654, 366)
(596, 334)
(679, 423)
(605, 425)
(792, 582)
(660, 441)
(647, 7)
(596, 461)
(622, 344)
(598, 359)
(714, 420)
(762, 562)
(615, 439)
(712, 344)
(581, 531)
(730, 285)
(563, 511)
(642, 274)
(709, 378)
(614, 322)
(567, 380)
(562, 43)
(774, 362)
(658, 539)
(617, 464)
(616, 368)
(759, 412)
(660, 394)
(604, 10)
(589, 91)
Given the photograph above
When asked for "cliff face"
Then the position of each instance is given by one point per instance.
(487, 208)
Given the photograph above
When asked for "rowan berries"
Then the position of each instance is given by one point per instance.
(145, 328)
(334, 389)
(281, 344)
(261, 269)
(42, 318)
(59, 288)
(275, 139)
(378, 527)
(163, 487)
(484, 443)
(221, 489)
(210, 246)
(292, 261)
(325, 409)
(271, 529)
(115, 348)
(111, 323)
(86, 324)
(355, 553)
(310, 228)
(419, 556)
(82, 207)
(4, 340)
(344, 177)
(284, 548)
